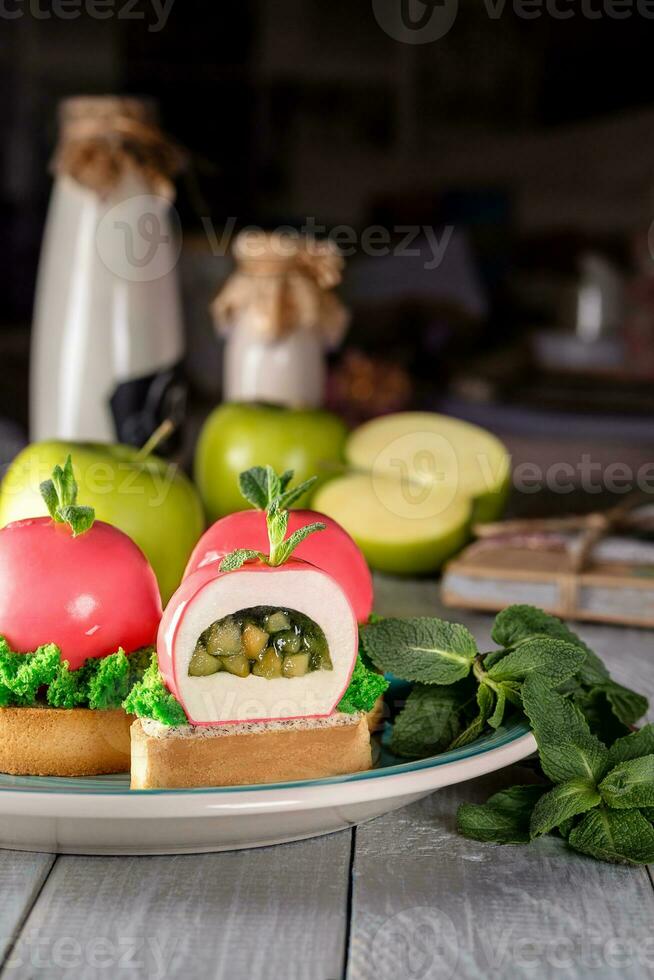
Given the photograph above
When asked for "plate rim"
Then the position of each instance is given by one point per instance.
(404, 779)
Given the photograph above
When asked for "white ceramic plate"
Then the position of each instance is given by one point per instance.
(102, 816)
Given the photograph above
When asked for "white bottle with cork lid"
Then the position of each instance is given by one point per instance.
(107, 338)
(279, 316)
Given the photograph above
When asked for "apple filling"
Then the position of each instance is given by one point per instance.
(263, 640)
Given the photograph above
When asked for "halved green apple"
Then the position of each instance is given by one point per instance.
(404, 535)
(418, 481)
(423, 448)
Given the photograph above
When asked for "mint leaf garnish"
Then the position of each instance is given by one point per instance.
(421, 649)
(566, 800)
(518, 623)
(253, 484)
(287, 547)
(80, 519)
(503, 819)
(290, 497)
(235, 559)
(627, 705)
(632, 746)
(622, 837)
(430, 720)
(630, 784)
(566, 746)
(266, 490)
(60, 496)
(485, 702)
(556, 660)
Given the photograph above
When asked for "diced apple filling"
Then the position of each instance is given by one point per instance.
(264, 641)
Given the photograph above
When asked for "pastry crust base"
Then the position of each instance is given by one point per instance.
(44, 741)
(244, 755)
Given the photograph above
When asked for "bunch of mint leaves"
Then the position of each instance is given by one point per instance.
(597, 774)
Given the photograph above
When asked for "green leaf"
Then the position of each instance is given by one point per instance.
(517, 623)
(277, 522)
(485, 701)
(65, 484)
(60, 496)
(630, 784)
(253, 484)
(622, 837)
(429, 721)
(420, 649)
(476, 726)
(599, 714)
(632, 746)
(503, 819)
(285, 479)
(235, 559)
(627, 705)
(561, 803)
(49, 494)
(289, 497)
(286, 548)
(497, 717)
(555, 660)
(274, 484)
(566, 746)
(80, 519)
(648, 813)
(565, 827)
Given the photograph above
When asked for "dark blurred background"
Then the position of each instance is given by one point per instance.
(531, 138)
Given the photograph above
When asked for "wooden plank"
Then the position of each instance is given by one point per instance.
(265, 913)
(22, 875)
(428, 903)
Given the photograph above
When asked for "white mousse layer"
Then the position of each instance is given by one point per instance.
(223, 697)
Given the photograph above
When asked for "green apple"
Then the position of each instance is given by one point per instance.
(423, 448)
(148, 498)
(402, 536)
(418, 481)
(238, 436)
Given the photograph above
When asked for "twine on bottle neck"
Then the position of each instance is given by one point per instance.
(97, 151)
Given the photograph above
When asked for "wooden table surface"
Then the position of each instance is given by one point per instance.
(401, 896)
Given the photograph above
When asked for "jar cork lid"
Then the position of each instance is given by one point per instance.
(283, 282)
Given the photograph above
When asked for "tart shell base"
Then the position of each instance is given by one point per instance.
(64, 742)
